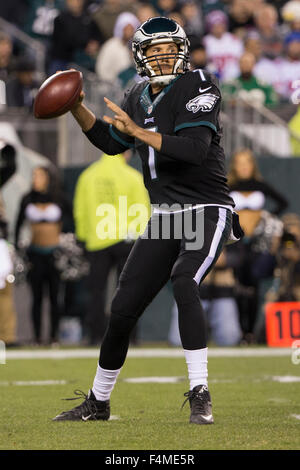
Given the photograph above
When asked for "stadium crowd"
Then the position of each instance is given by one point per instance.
(253, 47)
(248, 44)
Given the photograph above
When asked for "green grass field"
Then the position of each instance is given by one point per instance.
(251, 409)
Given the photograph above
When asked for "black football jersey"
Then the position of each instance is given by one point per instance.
(191, 100)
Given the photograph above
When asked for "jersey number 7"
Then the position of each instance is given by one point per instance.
(151, 157)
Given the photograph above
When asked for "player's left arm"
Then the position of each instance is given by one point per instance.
(126, 125)
(183, 147)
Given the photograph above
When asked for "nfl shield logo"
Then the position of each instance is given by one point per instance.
(150, 109)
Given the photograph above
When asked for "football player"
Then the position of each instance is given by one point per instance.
(172, 119)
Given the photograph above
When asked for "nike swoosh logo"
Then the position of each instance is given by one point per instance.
(207, 418)
(85, 418)
(204, 89)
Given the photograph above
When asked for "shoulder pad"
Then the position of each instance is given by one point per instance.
(203, 76)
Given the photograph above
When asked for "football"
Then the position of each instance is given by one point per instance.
(58, 94)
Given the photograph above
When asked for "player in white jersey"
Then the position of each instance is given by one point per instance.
(284, 71)
(223, 48)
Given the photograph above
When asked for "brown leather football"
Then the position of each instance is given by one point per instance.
(58, 94)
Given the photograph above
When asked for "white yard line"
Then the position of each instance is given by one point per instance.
(295, 416)
(145, 352)
(114, 417)
(165, 380)
(161, 380)
(33, 382)
(158, 379)
(286, 378)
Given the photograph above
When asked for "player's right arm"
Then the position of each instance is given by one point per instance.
(83, 115)
(99, 133)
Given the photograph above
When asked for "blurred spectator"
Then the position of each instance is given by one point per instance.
(295, 25)
(144, 11)
(176, 16)
(7, 163)
(291, 224)
(289, 66)
(294, 126)
(223, 48)
(247, 86)
(244, 178)
(76, 37)
(22, 89)
(266, 22)
(278, 4)
(192, 16)
(115, 54)
(240, 17)
(262, 231)
(264, 68)
(7, 308)
(107, 241)
(165, 7)
(286, 283)
(198, 58)
(106, 14)
(291, 16)
(211, 5)
(252, 43)
(14, 11)
(44, 208)
(290, 11)
(129, 77)
(40, 18)
(6, 56)
(282, 72)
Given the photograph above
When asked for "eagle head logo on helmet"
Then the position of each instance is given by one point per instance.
(160, 30)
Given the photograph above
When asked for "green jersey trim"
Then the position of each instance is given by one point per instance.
(195, 124)
(119, 139)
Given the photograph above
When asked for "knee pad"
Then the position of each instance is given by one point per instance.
(185, 289)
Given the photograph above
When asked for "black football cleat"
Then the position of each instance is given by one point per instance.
(200, 404)
(89, 410)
